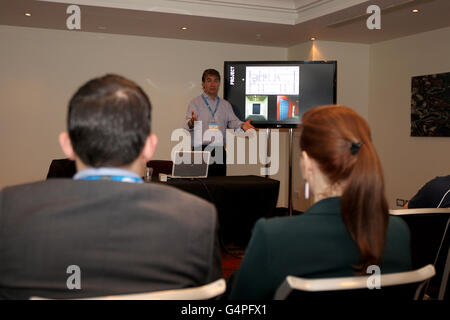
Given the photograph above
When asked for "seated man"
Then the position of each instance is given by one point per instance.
(434, 194)
(105, 232)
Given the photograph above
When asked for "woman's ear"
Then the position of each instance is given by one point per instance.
(306, 166)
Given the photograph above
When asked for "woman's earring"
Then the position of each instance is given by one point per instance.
(306, 190)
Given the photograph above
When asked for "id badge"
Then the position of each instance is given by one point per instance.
(213, 126)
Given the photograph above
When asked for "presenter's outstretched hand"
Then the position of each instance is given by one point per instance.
(247, 125)
(193, 118)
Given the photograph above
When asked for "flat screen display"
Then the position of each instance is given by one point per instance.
(278, 93)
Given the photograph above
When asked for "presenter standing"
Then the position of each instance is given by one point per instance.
(207, 118)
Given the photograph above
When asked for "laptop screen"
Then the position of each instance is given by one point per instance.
(190, 164)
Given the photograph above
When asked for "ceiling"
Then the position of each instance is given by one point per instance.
(279, 23)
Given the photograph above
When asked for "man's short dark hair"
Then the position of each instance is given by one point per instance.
(109, 121)
(210, 72)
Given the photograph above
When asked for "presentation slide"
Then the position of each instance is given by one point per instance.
(272, 80)
(278, 93)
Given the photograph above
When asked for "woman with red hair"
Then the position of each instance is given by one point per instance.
(348, 227)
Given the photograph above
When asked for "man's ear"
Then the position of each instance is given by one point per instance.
(66, 145)
(149, 147)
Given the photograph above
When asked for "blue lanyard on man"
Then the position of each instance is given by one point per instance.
(210, 110)
(114, 178)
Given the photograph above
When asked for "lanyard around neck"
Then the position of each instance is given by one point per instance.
(113, 178)
(207, 104)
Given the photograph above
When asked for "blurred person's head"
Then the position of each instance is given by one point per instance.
(109, 125)
(339, 159)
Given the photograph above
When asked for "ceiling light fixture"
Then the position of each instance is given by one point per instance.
(28, 14)
(184, 28)
(415, 11)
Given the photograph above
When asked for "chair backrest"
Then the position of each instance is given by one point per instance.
(160, 166)
(205, 292)
(61, 168)
(401, 285)
(430, 243)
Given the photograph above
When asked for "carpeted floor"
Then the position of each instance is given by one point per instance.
(231, 259)
(232, 254)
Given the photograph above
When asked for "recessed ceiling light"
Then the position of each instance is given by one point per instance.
(28, 14)
(415, 11)
(312, 38)
(184, 28)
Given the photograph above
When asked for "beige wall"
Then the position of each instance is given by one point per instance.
(408, 162)
(375, 80)
(41, 69)
(352, 89)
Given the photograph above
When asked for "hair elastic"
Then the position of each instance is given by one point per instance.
(355, 147)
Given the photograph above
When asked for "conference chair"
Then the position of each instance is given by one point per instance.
(160, 166)
(397, 286)
(61, 168)
(208, 291)
(430, 244)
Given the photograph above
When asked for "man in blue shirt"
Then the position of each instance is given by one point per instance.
(209, 114)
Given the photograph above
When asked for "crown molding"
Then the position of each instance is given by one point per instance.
(288, 12)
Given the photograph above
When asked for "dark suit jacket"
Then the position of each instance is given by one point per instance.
(315, 244)
(125, 237)
(433, 194)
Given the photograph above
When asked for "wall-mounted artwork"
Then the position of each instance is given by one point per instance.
(430, 105)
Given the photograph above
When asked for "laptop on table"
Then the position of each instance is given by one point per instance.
(190, 164)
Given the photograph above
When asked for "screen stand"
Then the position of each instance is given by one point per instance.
(267, 151)
(291, 143)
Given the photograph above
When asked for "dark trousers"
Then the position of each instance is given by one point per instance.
(216, 169)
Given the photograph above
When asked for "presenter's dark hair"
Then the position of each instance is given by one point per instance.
(339, 140)
(210, 72)
(109, 121)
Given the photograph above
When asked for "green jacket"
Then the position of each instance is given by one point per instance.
(315, 244)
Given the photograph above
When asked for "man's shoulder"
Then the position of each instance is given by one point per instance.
(196, 100)
(225, 102)
(37, 186)
(443, 181)
(157, 193)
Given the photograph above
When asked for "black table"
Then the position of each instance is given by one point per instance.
(240, 201)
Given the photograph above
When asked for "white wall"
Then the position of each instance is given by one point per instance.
(408, 162)
(41, 69)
